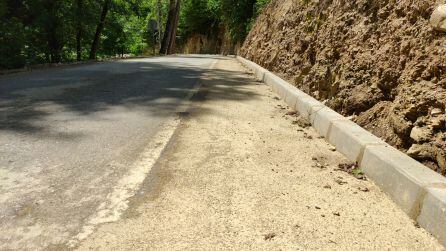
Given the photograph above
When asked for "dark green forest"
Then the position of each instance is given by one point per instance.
(54, 31)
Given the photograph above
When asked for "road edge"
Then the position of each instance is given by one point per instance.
(128, 185)
(417, 190)
(49, 66)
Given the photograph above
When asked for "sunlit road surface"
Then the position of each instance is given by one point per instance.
(73, 140)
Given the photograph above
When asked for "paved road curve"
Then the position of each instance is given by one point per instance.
(70, 136)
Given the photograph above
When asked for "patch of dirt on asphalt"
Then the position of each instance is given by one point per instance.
(378, 60)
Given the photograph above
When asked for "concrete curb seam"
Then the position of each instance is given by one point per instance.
(417, 190)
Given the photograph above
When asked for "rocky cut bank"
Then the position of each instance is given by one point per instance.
(382, 62)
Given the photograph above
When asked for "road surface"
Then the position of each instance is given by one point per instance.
(80, 167)
(69, 136)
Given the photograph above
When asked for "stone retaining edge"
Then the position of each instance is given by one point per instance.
(416, 189)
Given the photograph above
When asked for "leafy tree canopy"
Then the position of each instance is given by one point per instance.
(52, 31)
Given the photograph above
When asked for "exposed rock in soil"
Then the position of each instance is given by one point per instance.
(420, 134)
(382, 61)
(438, 18)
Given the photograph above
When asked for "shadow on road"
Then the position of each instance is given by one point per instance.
(29, 101)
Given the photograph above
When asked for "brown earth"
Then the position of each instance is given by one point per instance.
(208, 44)
(378, 60)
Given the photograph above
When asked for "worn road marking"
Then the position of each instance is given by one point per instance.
(117, 201)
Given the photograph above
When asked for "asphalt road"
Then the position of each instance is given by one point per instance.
(69, 136)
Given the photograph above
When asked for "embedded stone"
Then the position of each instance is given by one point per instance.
(438, 123)
(438, 18)
(420, 134)
(436, 111)
(422, 152)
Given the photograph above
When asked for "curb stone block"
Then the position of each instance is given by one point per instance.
(242, 60)
(305, 104)
(400, 176)
(293, 95)
(350, 139)
(260, 74)
(433, 213)
(281, 90)
(285, 91)
(291, 99)
(276, 83)
(321, 118)
(271, 80)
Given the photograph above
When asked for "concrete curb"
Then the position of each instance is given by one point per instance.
(418, 190)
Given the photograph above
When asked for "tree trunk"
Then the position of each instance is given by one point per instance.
(79, 30)
(99, 28)
(171, 47)
(53, 34)
(160, 21)
(168, 32)
(55, 46)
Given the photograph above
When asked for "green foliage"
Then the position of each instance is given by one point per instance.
(258, 7)
(238, 15)
(49, 31)
(124, 35)
(11, 43)
(199, 16)
(44, 31)
(3, 7)
(127, 29)
(206, 16)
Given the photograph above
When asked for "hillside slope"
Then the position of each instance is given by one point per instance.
(377, 61)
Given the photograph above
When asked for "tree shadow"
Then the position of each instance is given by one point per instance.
(29, 101)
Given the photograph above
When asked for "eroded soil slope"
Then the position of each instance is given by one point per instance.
(379, 61)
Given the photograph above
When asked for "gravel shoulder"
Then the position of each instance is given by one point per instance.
(243, 172)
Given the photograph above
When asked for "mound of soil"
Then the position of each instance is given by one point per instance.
(380, 61)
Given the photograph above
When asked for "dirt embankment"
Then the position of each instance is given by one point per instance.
(380, 61)
(208, 44)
